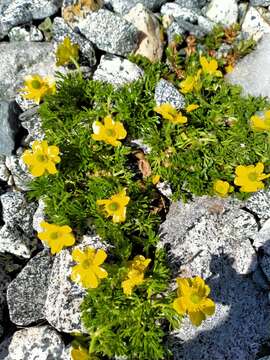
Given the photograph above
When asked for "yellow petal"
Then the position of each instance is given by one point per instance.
(37, 170)
(204, 63)
(241, 170)
(208, 306)
(196, 317)
(50, 166)
(179, 306)
(259, 168)
(53, 150)
(100, 257)
(192, 107)
(68, 239)
(78, 255)
(28, 157)
(65, 229)
(121, 132)
(108, 122)
(100, 272)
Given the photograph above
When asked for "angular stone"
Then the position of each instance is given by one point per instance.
(4, 173)
(224, 12)
(61, 30)
(188, 4)
(39, 216)
(199, 231)
(265, 265)
(150, 43)
(75, 10)
(110, 32)
(4, 281)
(4, 348)
(16, 12)
(19, 171)
(165, 92)
(259, 203)
(254, 25)
(124, 6)
(117, 71)
(26, 294)
(248, 71)
(9, 126)
(37, 342)
(262, 238)
(174, 29)
(18, 34)
(259, 2)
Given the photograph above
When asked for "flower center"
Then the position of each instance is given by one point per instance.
(110, 132)
(54, 235)
(114, 206)
(86, 264)
(195, 298)
(253, 176)
(36, 84)
(41, 158)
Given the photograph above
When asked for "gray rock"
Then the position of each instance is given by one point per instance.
(117, 71)
(9, 126)
(38, 342)
(259, 203)
(248, 72)
(61, 30)
(224, 12)
(16, 12)
(17, 211)
(19, 59)
(4, 173)
(188, 4)
(124, 6)
(259, 2)
(39, 216)
(19, 34)
(31, 121)
(4, 281)
(255, 25)
(260, 279)
(262, 238)
(35, 34)
(165, 92)
(26, 294)
(174, 29)
(4, 348)
(110, 32)
(265, 265)
(208, 228)
(19, 171)
(265, 358)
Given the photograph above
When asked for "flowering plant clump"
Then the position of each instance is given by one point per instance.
(36, 87)
(250, 177)
(210, 67)
(66, 52)
(110, 132)
(192, 82)
(168, 112)
(116, 206)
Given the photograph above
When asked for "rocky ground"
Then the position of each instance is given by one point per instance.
(226, 242)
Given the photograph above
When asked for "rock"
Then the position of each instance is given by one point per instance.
(4, 173)
(26, 294)
(31, 121)
(174, 29)
(17, 211)
(117, 71)
(18, 34)
(62, 30)
(39, 216)
(188, 4)
(4, 348)
(37, 342)
(262, 238)
(35, 34)
(16, 12)
(165, 189)
(248, 71)
(4, 281)
(75, 10)
(19, 171)
(19, 59)
(258, 203)
(224, 12)
(110, 32)
(265, 265)
(259, 2)
(260, 279)
(254, 25)
(165, 92)
(201, 230)
(236, 331)
(9, 126)
(150, 43)
(124, 6)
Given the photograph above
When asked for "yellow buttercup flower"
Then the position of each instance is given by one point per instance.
(250, 177)
(66, 51)
(229, 69)
(193, 299)
(210, 67)
(135, 274)
(42, 158)
(109, 132)
(88, 272)
(116, 206)
(192, 82)
(56, 236)
(261, 123)
(222, 188)
(192, 107)
(80, 354)
(36, 87)
(168, 112)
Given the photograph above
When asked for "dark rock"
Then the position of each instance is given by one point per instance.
(9, 126)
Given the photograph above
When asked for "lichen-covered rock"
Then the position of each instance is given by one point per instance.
(62, 30)
(37, 342)
(165, 92)
(248, 71)
(150, 43)
(16, 12)
(75, 10)
(201, 230)
(117, 71)
(9, 126)
(26, 294)
(124, 6)
(110, 32)
(224, 12)
(254, 25)
(19, 171)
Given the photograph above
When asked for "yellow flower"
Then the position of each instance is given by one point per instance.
(109, 132)
(192, 107)
(192, 299)
(66, 51)
(42, 158)
(135, 274)
(168, 112)
(155, 179)
(56, 237)
(222, 188)
(210, 67)
(229, 69)
(116, 206)
(37, 87)
(80, 354)
(261, 123)
(250, 177)
(88, 271)
(191, 83)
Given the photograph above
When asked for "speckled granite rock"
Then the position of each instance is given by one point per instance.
(26, 294)
(124, 6)
(39, 216)
(254, 25)
(262, 238)
(4, 344)
(38, 342)
(224, 12)
(189, 4)
(15, 12)
(19, 33)
(259, 2)
(4, 173)
(30, 120)
(248, 71)
(117, 71)
(259, 203)
(200, 230)
(4, 281)
(165, 92)
(19, 171)
(110, 32)
(9, 126)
